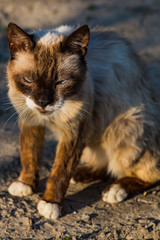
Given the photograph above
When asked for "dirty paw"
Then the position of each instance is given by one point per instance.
(49, 210)
(114, 194)
(20, 189)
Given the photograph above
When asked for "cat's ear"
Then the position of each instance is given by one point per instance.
(77, 42)
(18, 40)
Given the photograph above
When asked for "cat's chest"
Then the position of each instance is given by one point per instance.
(53, 123)
(36, 119)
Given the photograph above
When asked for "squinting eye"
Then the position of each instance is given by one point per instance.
(61, 82)
(27, 80)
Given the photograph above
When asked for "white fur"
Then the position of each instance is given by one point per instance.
(72, 181)
(20, 189)
(48, 210)
(52, 36)
(55, 107)
(30, 103)
(115, 194)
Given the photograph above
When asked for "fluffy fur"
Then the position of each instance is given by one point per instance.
(97, 101)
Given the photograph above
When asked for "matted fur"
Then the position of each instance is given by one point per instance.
(104, 114)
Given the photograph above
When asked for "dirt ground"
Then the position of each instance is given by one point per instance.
(86, 215)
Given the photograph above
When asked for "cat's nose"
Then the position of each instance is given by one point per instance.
(44, 102)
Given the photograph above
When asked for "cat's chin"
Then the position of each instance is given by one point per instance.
(44, 112)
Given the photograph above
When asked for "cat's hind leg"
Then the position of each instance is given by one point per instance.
(140, 176)
(94, 166)
(88, 173)
(133, 156)
(31, 140)
(122, 188)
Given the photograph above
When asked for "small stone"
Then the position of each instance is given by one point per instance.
(145, 194)
(85, 216)
(10, 201)
(144, 221)
(67, 237)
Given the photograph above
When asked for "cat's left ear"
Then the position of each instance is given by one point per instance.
(77, 42)
(18, 40)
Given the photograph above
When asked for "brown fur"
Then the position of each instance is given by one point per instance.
(67, 158)
(131, 185)
(86, 174)
(31, 140)
(99, 105)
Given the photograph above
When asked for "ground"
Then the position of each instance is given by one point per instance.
(86, 216)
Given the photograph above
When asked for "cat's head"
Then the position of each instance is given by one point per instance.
(43, 75)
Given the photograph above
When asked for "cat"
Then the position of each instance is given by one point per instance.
(90, 89)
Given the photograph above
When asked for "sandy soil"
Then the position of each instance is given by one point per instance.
(86, 215)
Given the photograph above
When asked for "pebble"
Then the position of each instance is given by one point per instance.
(145, 221)
(10, 201)
(85, 216)
(145, 194)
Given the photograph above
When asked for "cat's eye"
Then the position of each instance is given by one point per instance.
(27, 80)
(61, 82)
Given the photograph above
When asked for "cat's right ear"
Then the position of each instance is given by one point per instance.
(77, 42)
(18, 40)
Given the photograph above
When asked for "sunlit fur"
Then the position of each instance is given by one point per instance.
(115, 102)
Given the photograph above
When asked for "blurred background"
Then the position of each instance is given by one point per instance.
(138, 20)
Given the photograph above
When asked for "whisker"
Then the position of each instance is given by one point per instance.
(19, 107)
(14, 102)
(7, 103)
(20, 114)
(67, 121)
(8, 108)
(9, 119)
(82, 116)
(84, 110)
(79, 108)
(15, 123)
(64, 114)
(24, 112)
(72, 101)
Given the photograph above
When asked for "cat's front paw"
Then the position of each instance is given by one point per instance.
(49, 210)
(20, 189)
(114, 194)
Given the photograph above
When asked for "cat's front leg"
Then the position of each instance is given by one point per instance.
(31, 140)
(67, 157)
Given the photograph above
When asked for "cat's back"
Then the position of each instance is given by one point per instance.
(112, 54)
(115, 68)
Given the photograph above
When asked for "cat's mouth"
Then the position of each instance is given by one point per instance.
(43, 111)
